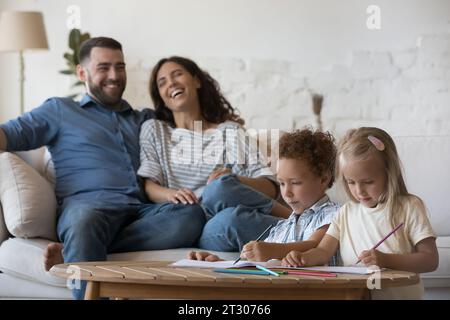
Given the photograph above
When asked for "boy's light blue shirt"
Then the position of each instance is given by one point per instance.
(95, 150)
(301, 227)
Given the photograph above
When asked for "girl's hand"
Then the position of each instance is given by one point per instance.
(184, 196)
(218, 173)
(372, 258)
(202, 256)
(295, 259)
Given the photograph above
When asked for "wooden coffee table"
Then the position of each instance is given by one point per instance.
(154, 279)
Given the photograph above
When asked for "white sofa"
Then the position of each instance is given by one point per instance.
(425, 160)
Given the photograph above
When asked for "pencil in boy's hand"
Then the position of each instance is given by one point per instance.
(382, 240)
(257, 239)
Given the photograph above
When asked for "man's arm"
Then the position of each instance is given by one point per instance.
(3, 141)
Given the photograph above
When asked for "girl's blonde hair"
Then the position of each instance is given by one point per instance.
(356, 145)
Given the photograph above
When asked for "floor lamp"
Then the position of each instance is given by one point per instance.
(20, 31)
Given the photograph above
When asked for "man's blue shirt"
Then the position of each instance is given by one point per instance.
(95, 150)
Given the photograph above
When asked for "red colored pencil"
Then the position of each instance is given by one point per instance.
(313, 274)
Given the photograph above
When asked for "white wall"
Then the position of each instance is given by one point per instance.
(268, 55)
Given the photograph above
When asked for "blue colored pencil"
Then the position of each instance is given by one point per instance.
(267, 270)
(256, 272)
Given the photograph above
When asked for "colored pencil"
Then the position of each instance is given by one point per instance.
(257, 239)
(382, 240)
(254, 269)
(237, 271)
(313, 274)
(267, 270)
(307, 272)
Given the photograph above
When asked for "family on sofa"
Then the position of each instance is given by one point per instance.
(130, 180)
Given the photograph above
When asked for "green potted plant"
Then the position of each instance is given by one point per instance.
(71, 57)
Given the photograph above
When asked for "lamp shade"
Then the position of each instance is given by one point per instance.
(21, 30)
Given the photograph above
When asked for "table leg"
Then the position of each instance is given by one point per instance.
(356, 294)
(92, 291)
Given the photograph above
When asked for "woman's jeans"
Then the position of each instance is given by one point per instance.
(237, 214)
(89, 231)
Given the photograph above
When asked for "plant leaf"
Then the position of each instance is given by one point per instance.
(84, 37)
(66, 72)
(74, 39)
(75, 56)
(76, 84)
(70, 59)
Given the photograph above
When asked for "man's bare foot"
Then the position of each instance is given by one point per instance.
(53, 255)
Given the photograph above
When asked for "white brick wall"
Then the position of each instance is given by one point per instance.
(406, 92)
(269, 65)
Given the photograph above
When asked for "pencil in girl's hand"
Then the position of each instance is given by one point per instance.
(257, 239)
(382, 240)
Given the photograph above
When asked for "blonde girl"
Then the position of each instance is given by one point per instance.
(369, 167)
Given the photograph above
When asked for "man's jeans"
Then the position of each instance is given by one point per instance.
(239, 214)
(89, 232)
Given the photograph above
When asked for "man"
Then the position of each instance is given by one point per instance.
(95, 149)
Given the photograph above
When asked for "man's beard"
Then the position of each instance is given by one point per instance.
(104, 98)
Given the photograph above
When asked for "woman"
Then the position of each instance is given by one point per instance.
(189, 155)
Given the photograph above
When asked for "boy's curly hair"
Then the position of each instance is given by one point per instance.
(315, 147)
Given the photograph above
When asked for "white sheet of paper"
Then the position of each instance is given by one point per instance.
(187, 263)
(217, 264)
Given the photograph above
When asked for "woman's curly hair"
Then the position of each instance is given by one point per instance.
(215, 108)
(315, 147)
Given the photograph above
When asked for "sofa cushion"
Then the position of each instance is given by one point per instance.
(165, 255)
(29, 264)
(12, 287)
(48, 171)
(24, 258)
(28, 200)
(34, 158)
